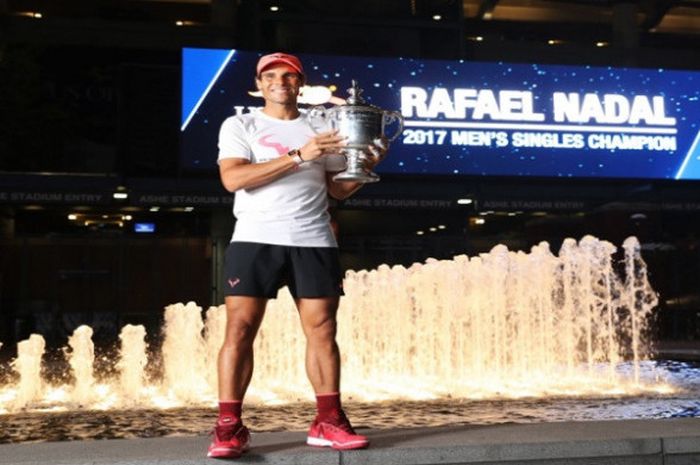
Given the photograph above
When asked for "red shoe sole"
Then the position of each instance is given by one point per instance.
(224, 453)
(351, 447)
(316, 442)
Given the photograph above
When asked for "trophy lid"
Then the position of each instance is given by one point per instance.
(355, 92)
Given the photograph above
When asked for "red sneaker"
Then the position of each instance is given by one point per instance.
(336, 433)
(230, 440)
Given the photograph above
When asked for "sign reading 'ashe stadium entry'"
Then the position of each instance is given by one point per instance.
(469, 118)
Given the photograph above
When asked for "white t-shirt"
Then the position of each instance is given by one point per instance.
(293, 209)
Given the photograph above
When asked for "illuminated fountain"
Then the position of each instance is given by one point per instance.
(81, 360)
(499, 325)
(132, 363)
(28, 366)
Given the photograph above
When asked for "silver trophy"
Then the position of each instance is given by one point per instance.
(362, 124)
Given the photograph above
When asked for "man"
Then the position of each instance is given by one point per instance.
(281, 172)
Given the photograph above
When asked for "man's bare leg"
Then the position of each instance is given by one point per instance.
(331, 428)
(235, 364)
(235, 369)
(318, 320)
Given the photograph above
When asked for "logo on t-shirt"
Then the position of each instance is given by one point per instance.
(265, 142)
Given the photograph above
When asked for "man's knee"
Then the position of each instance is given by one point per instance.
(323, 331)
(243, 318)
(239, 333)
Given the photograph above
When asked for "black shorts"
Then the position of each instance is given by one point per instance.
(259, 270)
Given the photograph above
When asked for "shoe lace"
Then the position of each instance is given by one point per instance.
(225, 432)
(341, 422)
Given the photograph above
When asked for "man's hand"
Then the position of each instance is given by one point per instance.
(378, 148)
(322, 144)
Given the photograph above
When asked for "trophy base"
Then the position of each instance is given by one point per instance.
(355, 171)
(355, 176)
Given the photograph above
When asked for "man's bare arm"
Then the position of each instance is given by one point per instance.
(238, 173)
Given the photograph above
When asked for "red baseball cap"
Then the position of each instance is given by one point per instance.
(274, 58)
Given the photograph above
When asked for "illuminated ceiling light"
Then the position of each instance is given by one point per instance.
(601, 44)
(154, 209)
(29, 14)
(127, 217)
(179, 23)
(464, 201)
(479, 221)
(274, 8)
(189, 209)
(72, 216)
(555, 41)
(420, 233)
(433, 229)
(441, 226)
(120, 195)
(512, 213)
(437, 17)
(488, 15)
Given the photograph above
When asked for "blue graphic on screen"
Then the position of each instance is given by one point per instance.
(473, 118)
(200, 70)
(144, 227)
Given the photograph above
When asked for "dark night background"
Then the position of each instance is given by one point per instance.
(90, 106)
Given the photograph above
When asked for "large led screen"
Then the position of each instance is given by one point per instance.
(474, 118)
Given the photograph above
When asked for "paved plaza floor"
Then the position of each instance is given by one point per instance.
(647, 442)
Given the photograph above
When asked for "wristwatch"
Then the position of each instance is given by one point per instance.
(296, 156)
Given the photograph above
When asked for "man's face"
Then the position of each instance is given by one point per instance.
(279, 84)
